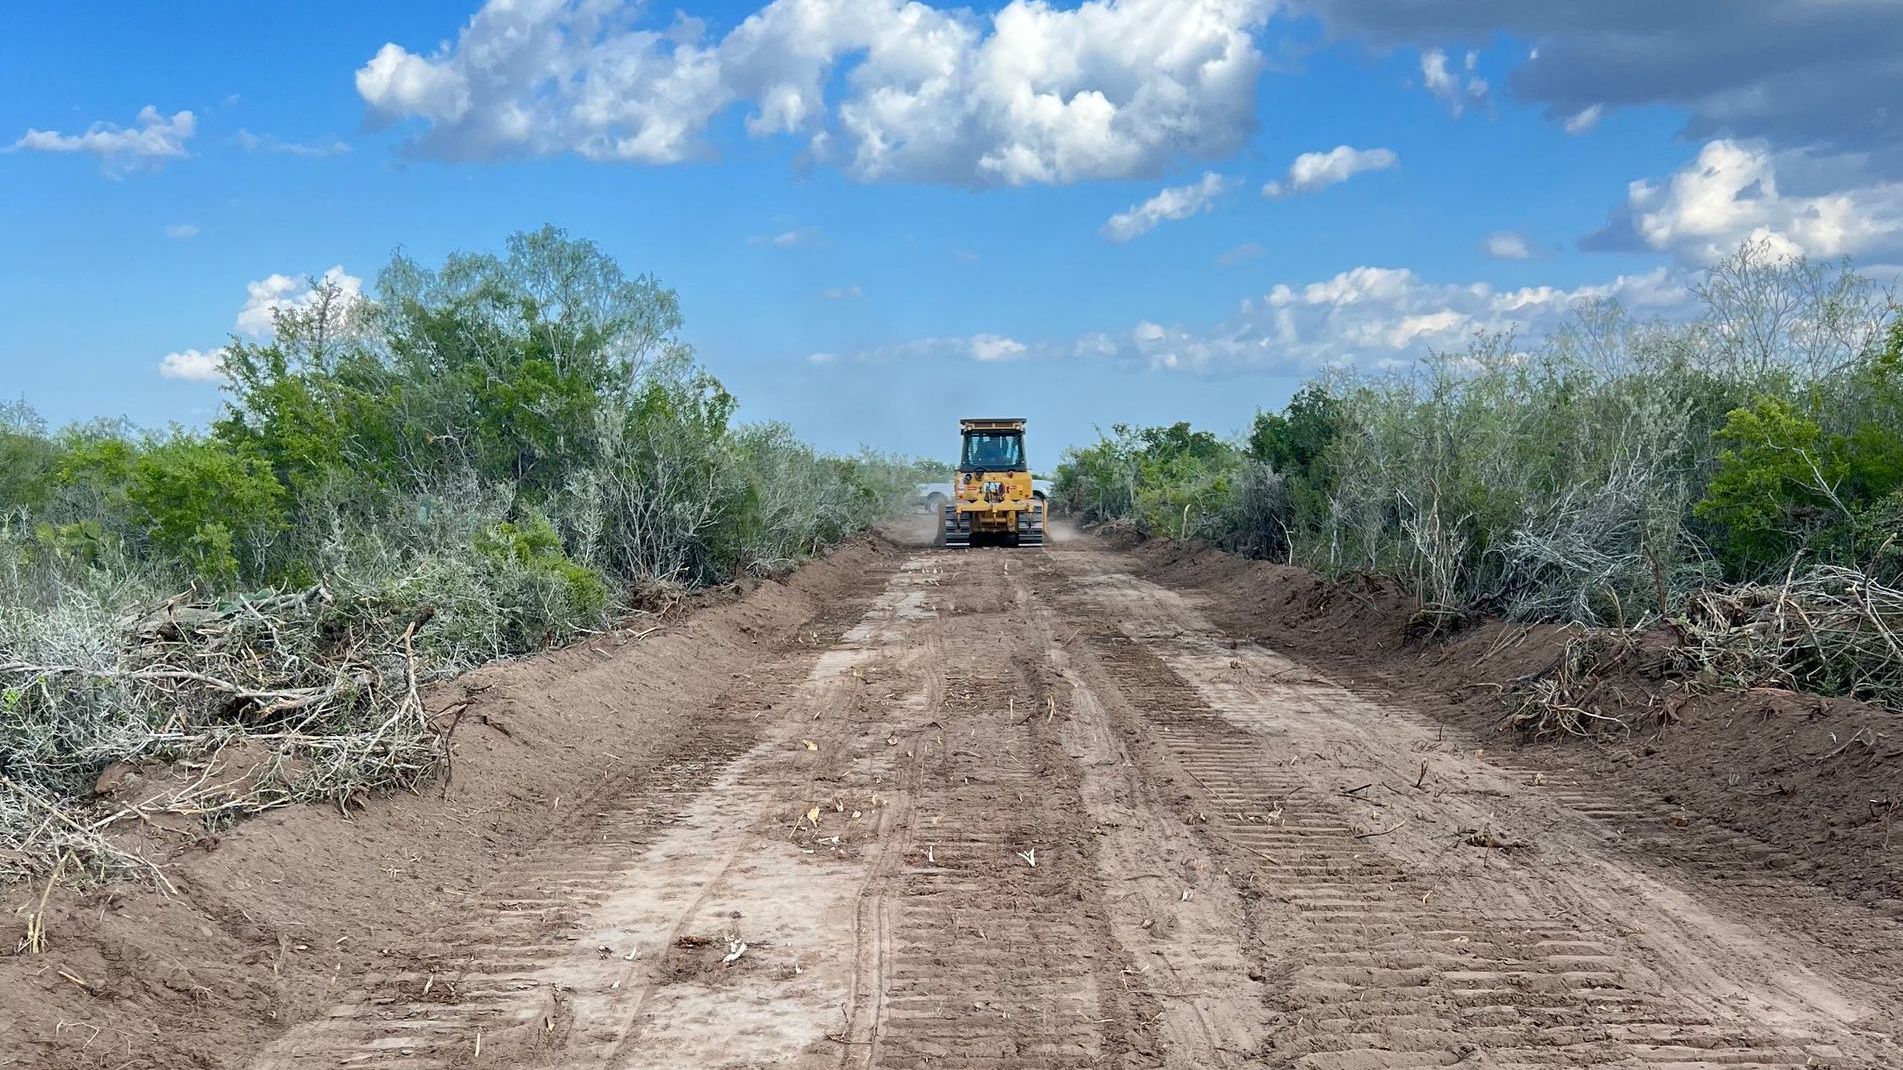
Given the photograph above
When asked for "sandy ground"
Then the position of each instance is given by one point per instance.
(983, 808)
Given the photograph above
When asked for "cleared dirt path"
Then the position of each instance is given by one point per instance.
(1033, 810)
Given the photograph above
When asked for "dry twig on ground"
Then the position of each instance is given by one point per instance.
(324, 696)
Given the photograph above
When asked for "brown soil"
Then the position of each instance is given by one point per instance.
(1818, 778)
(919, 808)
(282, 916)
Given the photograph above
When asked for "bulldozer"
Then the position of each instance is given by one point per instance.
(993, 497)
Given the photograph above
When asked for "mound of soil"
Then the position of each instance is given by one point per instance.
(277, 918)
(1820, 778)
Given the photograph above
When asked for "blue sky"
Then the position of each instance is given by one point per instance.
(869, 270)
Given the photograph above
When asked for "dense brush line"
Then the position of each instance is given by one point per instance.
(492, 457)
(1601, 476)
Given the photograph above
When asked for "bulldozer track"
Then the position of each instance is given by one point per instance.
(1028, 810)
(565, 947)
(1404, 979)
(1412, 980)
(986, 960)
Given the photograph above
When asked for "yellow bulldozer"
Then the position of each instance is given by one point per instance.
(993, 497)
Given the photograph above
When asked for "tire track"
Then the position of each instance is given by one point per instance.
(1025, 811)
(1185, 923)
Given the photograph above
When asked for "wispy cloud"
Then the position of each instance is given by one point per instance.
(1246, 251)
(121, 149)
(1507, 245)
(1176, 202)
(268, 143)
(181, 230)
(1584, 119)
(795, 238)
(995, 347)
(1313, 171)
(1457, 89)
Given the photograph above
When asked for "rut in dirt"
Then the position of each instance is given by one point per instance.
(1032, 810)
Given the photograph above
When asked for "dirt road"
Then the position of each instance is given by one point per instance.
(1034, 810)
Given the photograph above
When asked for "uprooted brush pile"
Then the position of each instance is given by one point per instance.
(1832, 631)
(319, 694)
(1826, 631)
(1579, 694)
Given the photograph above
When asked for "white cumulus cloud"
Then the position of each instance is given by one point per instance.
(121, 149)
(1369, 318)
(1314, 171)
(194, 366)
(1175, 202)
(883, 89)
(1736, 192)
(399, 84)
(266, 297)
(1380, 318)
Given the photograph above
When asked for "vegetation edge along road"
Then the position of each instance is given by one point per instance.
(1737, 478)
(491, 458)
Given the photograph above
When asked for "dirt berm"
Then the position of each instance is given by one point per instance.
(278, 917)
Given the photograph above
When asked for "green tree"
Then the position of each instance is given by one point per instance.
(194, 503)
(1296, 440)
(205, 503)
(1297, 443)
(1776, 486)
(28, 458)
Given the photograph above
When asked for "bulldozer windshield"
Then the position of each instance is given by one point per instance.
(993, 451)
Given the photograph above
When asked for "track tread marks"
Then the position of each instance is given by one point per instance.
(1395, 980)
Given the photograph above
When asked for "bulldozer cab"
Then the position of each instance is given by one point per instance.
(993, 450)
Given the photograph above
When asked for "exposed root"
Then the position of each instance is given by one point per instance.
(1564, 699)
